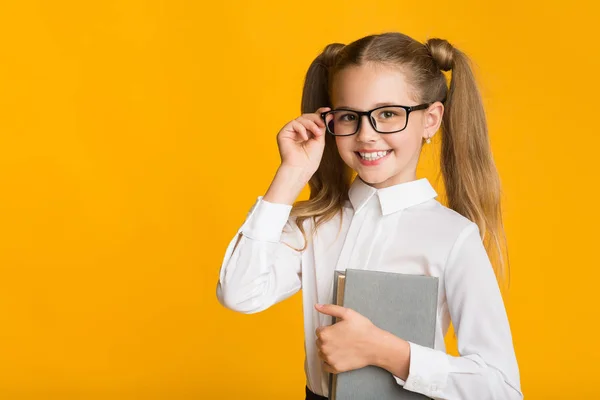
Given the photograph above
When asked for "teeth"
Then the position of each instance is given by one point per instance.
(374, 155)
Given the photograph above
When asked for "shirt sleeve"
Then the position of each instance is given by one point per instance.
(262, 263)
(487, 367)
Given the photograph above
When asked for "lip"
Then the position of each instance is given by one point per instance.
(371, 151)
(370, 163)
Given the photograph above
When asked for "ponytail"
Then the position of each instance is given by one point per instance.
(468, 169)
(315, 93)
(330, 183)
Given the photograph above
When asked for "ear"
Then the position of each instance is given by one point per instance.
(432, 119)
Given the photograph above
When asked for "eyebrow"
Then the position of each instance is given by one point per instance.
(385, 103)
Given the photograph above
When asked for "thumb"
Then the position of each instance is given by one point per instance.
(333, 310)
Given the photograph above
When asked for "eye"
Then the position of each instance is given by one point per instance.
(387, 114)
(347, 117)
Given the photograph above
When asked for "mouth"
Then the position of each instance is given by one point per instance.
(372, 156)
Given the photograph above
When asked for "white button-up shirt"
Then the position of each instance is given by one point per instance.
(401, 228)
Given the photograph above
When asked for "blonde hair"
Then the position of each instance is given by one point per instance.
(470, 177)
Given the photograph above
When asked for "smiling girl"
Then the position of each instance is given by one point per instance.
(368, 109)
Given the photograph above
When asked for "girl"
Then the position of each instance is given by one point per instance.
(378, 100)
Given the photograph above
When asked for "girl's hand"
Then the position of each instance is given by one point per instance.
(348, 344)
(301, 142)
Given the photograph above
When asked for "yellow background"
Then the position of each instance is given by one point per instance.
(135, 135)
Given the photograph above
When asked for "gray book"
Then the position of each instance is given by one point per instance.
(404, 305)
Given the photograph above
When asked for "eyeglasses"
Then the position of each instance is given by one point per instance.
(384, 119)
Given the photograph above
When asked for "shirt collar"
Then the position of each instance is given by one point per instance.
(393, 198)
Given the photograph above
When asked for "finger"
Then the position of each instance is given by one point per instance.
(321, 355)
(319, 330)
(316, 118)
(311, 125)
(300, 130)
(328, 368)
(322, 110)
(333, 310)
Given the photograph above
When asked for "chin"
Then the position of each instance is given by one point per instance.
(373, 179)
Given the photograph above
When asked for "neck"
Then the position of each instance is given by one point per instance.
(393, 180)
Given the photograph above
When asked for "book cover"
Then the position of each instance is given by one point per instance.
(405, 305)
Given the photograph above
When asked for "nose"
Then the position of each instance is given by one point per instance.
(366, 133)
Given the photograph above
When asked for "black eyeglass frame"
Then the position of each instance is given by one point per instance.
(360, 114)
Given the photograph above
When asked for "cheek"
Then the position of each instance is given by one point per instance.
(345, 147)
(405, 144)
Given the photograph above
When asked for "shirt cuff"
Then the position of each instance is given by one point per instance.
(429, 369)
(399, 381)
(265, 221)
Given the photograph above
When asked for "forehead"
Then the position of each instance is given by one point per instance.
(362, 87)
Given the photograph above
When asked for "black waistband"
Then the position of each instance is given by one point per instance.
(312, 396)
